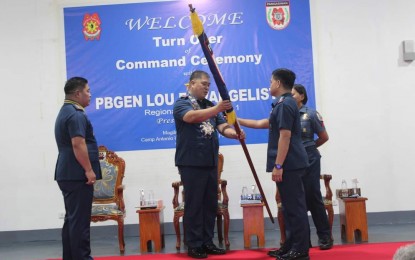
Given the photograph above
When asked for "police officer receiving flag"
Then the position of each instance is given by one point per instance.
(287, 160)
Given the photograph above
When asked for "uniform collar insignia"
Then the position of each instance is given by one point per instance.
(75, 104)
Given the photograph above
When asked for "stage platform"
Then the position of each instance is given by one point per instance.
(108, 245)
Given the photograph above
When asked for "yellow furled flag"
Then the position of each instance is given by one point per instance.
(207, 50)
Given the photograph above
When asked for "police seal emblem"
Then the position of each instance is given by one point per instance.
(91, 27)
(278, 14)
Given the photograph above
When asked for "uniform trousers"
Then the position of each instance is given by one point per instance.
(294, 210)
(77, 196)
(313, 194)
(201, 203)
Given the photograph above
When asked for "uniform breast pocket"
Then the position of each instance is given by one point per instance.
(306, 127)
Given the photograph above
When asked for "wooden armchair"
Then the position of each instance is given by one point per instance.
(221, 212)
(108, 202)
(327, 200)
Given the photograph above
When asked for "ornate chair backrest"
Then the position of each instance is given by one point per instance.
(176, 185)
(220, 165)
(328, 198)
(112, 167)
(220, 170)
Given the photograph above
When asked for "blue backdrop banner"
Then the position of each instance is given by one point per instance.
(138, 57)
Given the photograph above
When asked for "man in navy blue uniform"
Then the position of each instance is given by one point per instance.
(197, 120)
(77, 168)
(287, 160)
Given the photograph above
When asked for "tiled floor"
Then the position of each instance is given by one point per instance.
(109, 246)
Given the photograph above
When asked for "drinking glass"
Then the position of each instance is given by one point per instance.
(150, 195)
(244, 194)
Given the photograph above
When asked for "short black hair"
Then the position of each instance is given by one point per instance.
(74, 84)
(197, 74)
(286, 76)
(302, 91)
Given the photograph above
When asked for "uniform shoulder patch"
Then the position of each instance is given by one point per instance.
(319, 116)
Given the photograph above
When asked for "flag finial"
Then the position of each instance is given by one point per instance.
(191, 8)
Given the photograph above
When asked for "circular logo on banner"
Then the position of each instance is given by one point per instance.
(91, 27)
(278, 14)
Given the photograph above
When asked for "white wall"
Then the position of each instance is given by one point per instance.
(364, 91)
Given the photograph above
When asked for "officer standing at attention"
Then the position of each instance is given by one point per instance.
(197, 146)
(312, 123)
(287, 160)
(77, 168)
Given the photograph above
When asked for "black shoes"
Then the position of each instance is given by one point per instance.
(196, 252)
(211, 249)
(292, 255)
(325, 244)
(277, 252)
(202, 252)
